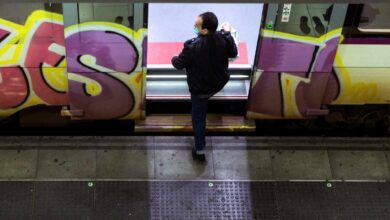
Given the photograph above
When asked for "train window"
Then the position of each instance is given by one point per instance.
(54, 7)
(121, 13)
(303, 19)
(375, 18)
(18, 12)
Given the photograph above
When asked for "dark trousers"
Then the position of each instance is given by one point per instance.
(198, 112)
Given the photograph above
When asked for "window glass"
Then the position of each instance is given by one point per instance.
(303, 19)
(54, 7)
(121, 13)
(375, 18)
(18, 12)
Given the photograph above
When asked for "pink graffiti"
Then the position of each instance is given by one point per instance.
(3, 34)
(14, 84)
(38, 53)
(45, 48)
(13, 87)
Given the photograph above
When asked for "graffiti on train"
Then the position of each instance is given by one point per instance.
(32, 63)
(297, 77)
(105, 69)
(294, 76)
(362, 70)
(34, 69)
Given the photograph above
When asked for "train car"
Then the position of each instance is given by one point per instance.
(107, 61)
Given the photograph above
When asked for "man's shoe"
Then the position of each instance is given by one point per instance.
(198, 155)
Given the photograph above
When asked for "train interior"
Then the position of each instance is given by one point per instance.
(166, 37)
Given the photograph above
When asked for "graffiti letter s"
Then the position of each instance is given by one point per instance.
(95, 59)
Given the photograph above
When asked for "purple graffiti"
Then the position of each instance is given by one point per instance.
(325, 59)
(307, 61)
(266, 95)
(278, 55)
(112, 51)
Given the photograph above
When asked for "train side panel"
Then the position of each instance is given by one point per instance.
(98, 69)
(32, 63)
(300, 76)
(294, 62)
(362, 67)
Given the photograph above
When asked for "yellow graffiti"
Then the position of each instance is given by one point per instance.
(12, 47)
(8, 47)
(256, 76)
(13, 50)
(289, 85)
(92, 87)
(56, 77)
(251, 114)
(357, 91)
(363, 91)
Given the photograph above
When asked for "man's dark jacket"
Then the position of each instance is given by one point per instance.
(206, 60)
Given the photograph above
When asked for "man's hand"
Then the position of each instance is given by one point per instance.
(226, 27)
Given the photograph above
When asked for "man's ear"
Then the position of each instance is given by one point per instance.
(204, 31)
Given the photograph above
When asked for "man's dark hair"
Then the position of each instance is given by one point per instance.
(210, 21)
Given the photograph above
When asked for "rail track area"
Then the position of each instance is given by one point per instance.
(173, 118)
(154, 177)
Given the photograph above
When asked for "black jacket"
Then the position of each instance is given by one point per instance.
(206, 60)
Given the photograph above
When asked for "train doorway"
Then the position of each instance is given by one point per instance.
(170, 25)
(167, 96)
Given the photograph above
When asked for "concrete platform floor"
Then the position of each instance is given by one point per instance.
(169, 158)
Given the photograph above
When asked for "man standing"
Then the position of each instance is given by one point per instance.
(206, 60)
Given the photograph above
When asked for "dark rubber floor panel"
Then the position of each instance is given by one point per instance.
(341, 201)
(64, 200)
(193, 200)
(16, 200)
(122, 200)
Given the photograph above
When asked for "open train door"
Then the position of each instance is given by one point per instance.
(168, 101)
(105, 48)
(294, 59)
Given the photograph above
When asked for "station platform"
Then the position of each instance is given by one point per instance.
(154, 177)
